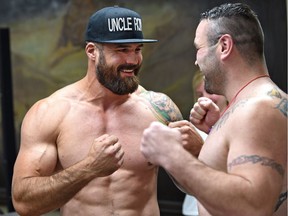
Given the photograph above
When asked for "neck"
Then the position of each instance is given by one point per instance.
(240, 74)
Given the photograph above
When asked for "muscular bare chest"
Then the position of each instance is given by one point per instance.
(83, 124)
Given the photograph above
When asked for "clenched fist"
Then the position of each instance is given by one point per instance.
(204, 114)
(160, 143)
(105, 155)
(191, 139)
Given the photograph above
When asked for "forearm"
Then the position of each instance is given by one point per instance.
(219, 193)
(38, 195)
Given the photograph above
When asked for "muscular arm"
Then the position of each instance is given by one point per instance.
(251, 183)
(35, 195)
(37, 186)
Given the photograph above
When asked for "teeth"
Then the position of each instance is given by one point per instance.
(127, 71)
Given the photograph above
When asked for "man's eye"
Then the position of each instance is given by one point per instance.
(122, 50)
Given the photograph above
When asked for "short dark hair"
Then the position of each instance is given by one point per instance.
(241, 23)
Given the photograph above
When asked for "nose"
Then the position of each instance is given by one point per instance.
(196, 63)
(133, 58)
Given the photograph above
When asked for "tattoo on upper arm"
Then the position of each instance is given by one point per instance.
(264, 161)
(163, 106)
(275, 93)
(283, 104)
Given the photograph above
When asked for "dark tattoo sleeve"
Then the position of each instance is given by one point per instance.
(264, 161)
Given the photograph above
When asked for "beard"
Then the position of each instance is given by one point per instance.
(110, 77)
(214, 78)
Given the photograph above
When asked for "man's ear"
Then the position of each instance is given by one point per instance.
(90, 51)
(227, 45)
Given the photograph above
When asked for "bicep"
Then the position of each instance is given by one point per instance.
(38, 152)
(35, 159)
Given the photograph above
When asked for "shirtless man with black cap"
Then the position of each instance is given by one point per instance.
(80, 147)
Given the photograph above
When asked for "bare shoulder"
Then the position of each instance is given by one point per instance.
(269, 106)
(257, 124)
(263, 113)
(258, 127)
(162, 105)
(47, 113)
(256, 130)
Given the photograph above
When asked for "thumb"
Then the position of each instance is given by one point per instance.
(208, 105)
(212, 111)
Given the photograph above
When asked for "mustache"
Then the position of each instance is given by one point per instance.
(129, 67)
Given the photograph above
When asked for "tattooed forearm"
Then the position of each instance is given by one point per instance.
(264, 161)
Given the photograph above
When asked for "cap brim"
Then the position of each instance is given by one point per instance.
(129, 41)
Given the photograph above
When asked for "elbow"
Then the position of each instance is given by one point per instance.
(21, 207)
(24, 209)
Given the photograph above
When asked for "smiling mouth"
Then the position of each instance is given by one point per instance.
(128, 72)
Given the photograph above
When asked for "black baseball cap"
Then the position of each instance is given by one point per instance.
(115, 25)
